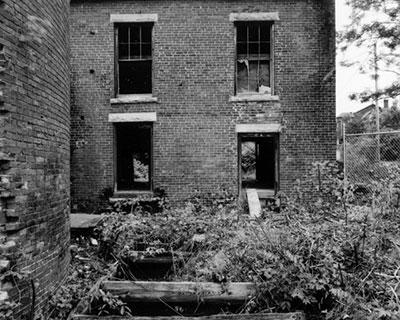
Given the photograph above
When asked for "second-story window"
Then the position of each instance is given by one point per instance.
(134, 58)
(254, 57)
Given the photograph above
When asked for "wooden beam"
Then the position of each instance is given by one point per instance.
(183, 292)
(258, 316)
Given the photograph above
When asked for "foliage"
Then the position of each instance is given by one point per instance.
(326, 254)
(84, 271)
(14, 277)
(389, 143)
(390, 118)
(375, 22)
(105, 303)
(357, 125)
(6, 309)
(124, 233)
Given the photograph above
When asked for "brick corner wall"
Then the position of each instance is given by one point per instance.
(34, 151)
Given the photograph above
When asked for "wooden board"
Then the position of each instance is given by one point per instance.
(254, 203)
(184, 292)
(259, 316)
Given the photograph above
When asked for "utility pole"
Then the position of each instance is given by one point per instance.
(378, 154)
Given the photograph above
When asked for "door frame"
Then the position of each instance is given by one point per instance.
(256, 135)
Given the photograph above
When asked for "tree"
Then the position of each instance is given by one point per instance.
(375, 22)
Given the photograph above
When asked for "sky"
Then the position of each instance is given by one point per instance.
(350, 80)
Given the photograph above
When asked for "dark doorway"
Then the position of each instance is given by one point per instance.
(133, 156)
(259, 161)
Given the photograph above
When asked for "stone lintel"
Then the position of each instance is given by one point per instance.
(258, 127)
(254, 16)
(152, 17)
(133, 117)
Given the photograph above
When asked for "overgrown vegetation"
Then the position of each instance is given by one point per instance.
(85, 270)
(334, 255)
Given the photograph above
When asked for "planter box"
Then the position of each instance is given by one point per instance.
(259, 316)
(150, 268)
(150, 300)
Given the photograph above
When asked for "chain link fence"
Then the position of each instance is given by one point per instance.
(370, 157)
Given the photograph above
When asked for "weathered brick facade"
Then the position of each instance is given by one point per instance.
(34, 150)
(195, 135)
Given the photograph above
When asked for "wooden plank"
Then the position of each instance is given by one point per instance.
(183, 292)
(258, 316)
(254, 203)
(83, 304)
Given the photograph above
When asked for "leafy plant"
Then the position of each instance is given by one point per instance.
(105, 303)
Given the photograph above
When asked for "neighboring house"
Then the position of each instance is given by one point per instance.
(193, 97)
(353, 121)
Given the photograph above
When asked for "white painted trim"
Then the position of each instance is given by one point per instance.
(254, 16)
(258, 127)
(133, 117)
(148, 17)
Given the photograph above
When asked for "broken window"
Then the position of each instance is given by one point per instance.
(253, 57)
(133, 156)
(134, 58)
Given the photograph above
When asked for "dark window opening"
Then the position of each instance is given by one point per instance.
(134, 58)
(258, 161)
(133, 153)
(253, 57)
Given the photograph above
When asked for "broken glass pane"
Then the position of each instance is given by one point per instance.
(264, 74)
(253, 75)
(242, 76)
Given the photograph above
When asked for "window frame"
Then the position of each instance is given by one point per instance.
(271, 26)
(117, 25)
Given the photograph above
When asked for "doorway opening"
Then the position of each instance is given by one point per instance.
(258, 159)
(133, 156)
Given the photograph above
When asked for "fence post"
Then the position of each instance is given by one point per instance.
(344, 152)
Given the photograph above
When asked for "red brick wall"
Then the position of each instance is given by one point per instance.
(195, 143)
(34, 147)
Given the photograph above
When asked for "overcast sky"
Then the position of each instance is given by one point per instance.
(349, 80)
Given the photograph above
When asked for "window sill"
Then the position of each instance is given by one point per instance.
(134, 98)
(124, 195)
(253, 97)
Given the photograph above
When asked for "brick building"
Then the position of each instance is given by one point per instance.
(198, 96)
(34, 152)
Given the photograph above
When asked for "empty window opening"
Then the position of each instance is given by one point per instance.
(134, 58)
(133, 153)
(258, 161)
(253, 57)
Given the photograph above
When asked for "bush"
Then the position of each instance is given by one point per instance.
(323, 254)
